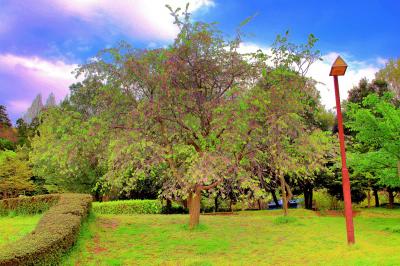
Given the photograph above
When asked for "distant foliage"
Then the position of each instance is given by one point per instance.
(364, 88)
(391, 74)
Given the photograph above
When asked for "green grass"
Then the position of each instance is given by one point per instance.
(13, 228)
(249, 238)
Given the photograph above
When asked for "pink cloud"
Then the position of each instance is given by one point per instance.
(18, 106)
(145, 19)
(44, 75)
(22, 78)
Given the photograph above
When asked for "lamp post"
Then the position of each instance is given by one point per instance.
(339, 69)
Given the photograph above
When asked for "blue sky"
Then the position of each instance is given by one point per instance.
(42, 41)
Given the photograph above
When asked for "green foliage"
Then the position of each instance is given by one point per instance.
(128, 207)
(28, 205)
(67, 150)
(6, 154)
(55, 233)
(325, 201)
(5, 144)
(15, 175)
(376, 123)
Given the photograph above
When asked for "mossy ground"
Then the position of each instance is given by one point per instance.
(249, 238)
(13, 228)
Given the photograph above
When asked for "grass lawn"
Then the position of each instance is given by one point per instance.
(249, 238)
(13, 228)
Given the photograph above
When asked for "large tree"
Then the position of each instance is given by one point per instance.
(186, 114)
(376, 123)
(289, 144)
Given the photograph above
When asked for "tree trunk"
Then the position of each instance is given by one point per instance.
(216, 203)
(259, 204)
(283, 192)
(169, 206)
(275, 198)
(391, 199)
(308, 198)
(376, 198)
(369, 198)
(194, 208)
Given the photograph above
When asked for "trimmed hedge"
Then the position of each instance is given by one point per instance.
(28, 205)
(128, 207)
(55, 233)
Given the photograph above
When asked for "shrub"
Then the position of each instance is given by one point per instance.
(28, 205)
(5, 144)
(55, 233)
(128, 207)
(325, 201)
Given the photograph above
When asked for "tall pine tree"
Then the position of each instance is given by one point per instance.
(34, 110)
(4, 120)
(51, 100)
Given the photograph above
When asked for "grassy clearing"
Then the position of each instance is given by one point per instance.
(13, 228)
(249, 238)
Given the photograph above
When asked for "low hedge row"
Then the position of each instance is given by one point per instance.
(128, 207)
(55, 233)
(28, 205)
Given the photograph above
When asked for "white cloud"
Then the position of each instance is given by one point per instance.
(18, 106)
(249, 47)
(146, 19)
(356, 70)
(382, 61)
(42, 76)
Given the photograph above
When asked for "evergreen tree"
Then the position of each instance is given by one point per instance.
(4, 120)
(34, 110)
(51, 100)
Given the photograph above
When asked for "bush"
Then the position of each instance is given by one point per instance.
(28, 205)
(128, 207)
(324, 201)
(5, 144)
(55, 233)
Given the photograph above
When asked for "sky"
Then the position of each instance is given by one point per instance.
(43, 41)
